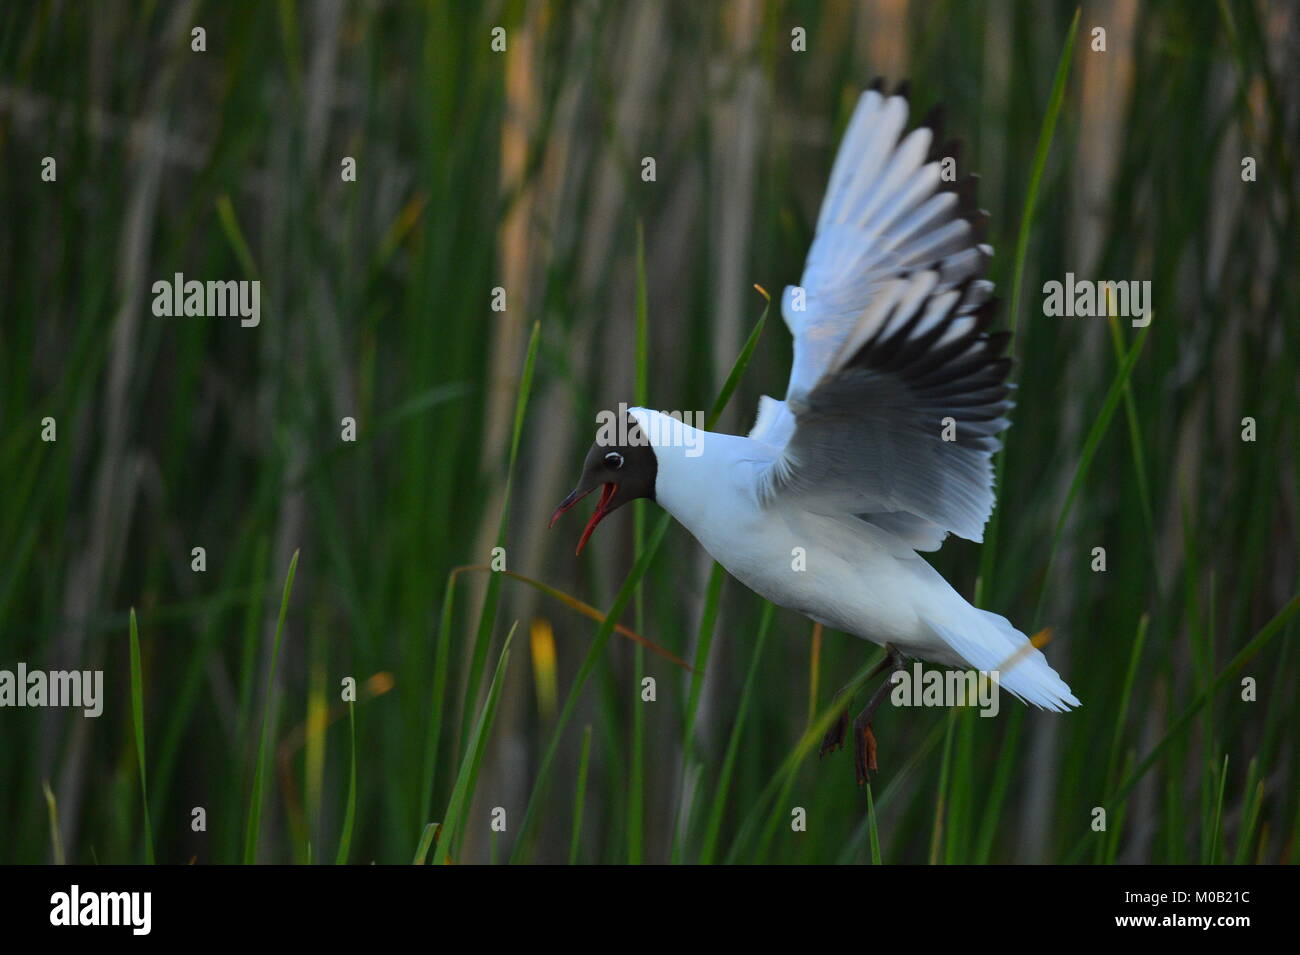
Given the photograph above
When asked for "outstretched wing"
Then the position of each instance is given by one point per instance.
(902, 426)
(897, 253)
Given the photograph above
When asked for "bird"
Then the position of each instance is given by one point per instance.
(883, 444)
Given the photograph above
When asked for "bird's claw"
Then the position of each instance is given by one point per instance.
(864, 754)
(834, 737)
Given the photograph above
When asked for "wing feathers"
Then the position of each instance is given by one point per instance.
(905, 421)
(891, 339)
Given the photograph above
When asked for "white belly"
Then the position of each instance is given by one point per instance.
(842, 574)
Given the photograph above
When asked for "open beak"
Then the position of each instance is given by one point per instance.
(607, 493)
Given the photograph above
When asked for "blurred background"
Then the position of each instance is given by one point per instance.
(523, 169)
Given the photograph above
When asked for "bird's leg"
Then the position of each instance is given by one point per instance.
(864, 741)
(834, 737)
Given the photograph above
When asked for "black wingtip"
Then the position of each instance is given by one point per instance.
(934, 121)
(941, 149)
(965, 189)
(986, 312)
(996, 343)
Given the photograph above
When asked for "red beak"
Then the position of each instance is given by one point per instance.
(607, 493)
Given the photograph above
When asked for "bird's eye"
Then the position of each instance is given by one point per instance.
(614, 460)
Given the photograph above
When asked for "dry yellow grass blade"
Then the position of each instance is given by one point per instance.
(1039, 640)
(587, 610)
(376, 685)
(542, 643)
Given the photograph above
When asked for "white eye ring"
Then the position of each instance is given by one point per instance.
(614, 460)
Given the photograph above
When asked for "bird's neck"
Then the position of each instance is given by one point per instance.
(695, 467)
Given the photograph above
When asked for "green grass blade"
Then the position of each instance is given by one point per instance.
(137, 718)
(636, 767)
(1135, 440)
(235, 236)
(1121, 714)
(963, 785)
(940, 802)
(1098, 430)
(350, 814)
(255, 802)
(872, 829)
(1250, 816)
(714, 824)
(1212, 853)
(740, 364)
(580, 796)
(462, 792)
(427, 835)
(52, 811)
(1126, 696)
(437, 696)
(703, 644)
(997, 791)
(1046, 133)
(487, 617)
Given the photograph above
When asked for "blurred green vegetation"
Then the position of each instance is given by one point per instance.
(522, 170)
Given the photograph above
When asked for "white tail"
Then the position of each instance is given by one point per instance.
(988, 641)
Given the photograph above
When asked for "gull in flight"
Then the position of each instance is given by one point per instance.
(883, 444)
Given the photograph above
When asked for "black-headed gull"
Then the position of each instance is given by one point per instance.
(883, 444)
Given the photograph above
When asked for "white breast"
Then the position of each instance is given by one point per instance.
(847, 575)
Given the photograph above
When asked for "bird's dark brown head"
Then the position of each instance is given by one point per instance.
(623, 472)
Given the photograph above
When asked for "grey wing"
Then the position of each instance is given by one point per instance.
(901, 428)
(890, 209)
